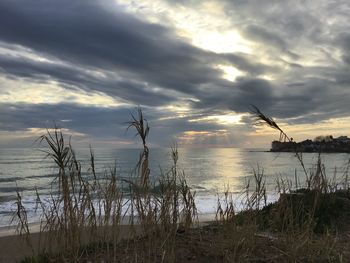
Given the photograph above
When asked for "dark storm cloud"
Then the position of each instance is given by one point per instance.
(74, 77)
(97, 122)
(238, 97)
(295, 29)
(148, 64)
(86, 35)
(143, 55)
(89, 119)
(313, 31)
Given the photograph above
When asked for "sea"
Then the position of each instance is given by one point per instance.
(209, 172)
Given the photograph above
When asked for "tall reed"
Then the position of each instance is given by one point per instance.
(82, 218)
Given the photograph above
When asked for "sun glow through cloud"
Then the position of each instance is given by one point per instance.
(220, 42)
(193, 66)
(227, 119)
(52, 93)
(206, 27)
(230, 73)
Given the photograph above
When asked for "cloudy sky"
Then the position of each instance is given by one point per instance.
(194, 67)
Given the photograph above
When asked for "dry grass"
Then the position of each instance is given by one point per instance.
(84, 218)
(84, 212)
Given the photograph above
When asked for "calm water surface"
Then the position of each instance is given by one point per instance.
(208, 171)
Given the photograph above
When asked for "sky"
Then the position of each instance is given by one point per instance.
(194, 67)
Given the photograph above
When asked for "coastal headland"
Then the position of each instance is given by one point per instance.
(326, 144)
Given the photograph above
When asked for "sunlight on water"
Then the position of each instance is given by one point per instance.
(208, 171)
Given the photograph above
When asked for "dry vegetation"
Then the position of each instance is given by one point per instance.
(82, 222)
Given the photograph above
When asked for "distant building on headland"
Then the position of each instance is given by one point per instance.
(326, 144)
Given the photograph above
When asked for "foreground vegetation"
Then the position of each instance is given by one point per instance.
(83, 219)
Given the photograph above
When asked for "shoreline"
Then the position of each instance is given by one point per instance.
(14, 247)
(34, 228)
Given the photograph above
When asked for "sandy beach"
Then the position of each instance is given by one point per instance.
(14, 247)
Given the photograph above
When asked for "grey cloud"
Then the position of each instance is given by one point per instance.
(294, 29)
(97, 39)
(72, 77)
(97, 122)
(239, 96)
(344, 42)
(264, 36)
(346, 59)
(148, 64)
(247, 63)
(89, 119)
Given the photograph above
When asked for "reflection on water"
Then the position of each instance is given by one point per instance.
(208, 171)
